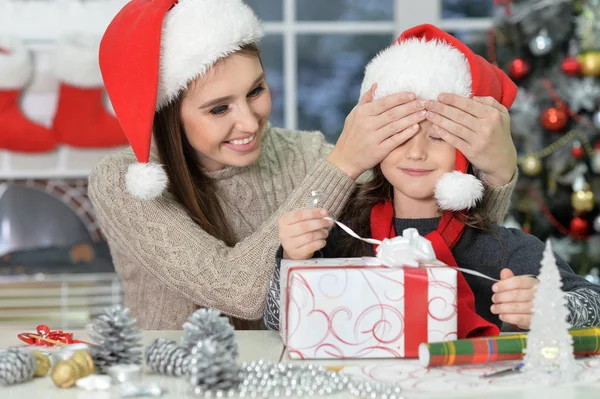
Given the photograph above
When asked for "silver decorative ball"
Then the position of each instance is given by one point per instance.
(541, 44)
(595, 162)
(596, 119)
(597, 224)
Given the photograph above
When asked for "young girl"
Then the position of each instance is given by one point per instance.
(422, 184)
(192, 220)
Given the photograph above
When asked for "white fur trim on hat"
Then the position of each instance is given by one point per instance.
(426, 68)
(197, 33)
(456, 191)
(145, 181)
(75, 61)
(16, 64)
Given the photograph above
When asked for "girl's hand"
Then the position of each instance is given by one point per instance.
(513, 298)
(374, 128)
(303, 232)
(480, 129)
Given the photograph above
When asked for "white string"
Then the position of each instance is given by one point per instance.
(352, 233)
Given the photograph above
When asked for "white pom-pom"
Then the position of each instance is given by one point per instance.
(145, 181)
(457, 191)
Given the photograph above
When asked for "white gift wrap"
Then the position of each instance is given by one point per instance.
(356, 307)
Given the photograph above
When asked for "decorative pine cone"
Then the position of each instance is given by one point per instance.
(164, 356)
(17, 365)
(117, 339)
(212, 368)
(209, 323)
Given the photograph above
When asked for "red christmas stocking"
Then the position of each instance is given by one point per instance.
(17, 133)
(81, 119)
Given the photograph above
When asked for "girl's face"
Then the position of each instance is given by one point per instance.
(415, 167)
(224, 112)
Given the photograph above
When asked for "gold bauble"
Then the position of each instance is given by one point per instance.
(42, 364)
(84, 360)
(590, 63)
(583, 200)
(64, 374)
(531, 166)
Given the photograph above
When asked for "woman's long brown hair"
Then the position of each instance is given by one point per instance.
(192, 188)
(357, 214)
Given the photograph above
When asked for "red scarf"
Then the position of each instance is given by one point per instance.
(447, 235)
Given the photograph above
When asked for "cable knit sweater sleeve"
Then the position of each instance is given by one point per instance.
(159, 237)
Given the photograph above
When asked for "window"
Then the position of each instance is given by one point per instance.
(315, 51)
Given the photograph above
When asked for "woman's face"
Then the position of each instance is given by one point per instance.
(415, 167)
(224, 112)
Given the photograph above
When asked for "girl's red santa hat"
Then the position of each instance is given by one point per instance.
(428, 61)
(151, 51)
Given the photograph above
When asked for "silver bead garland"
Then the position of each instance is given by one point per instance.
(263, 379)
(375, 390)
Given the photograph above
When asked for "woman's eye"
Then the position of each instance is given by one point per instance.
(256, 91)
(436, 138)
(221, 109)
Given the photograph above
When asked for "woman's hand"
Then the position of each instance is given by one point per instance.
(303, 232)
(374, 128)
(480, 129)
(513, 298)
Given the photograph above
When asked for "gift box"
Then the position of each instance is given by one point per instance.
(361, 308)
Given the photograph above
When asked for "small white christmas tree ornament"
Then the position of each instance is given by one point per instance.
(549, 353)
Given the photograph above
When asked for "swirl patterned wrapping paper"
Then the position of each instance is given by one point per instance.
(353, 308)
(586, 341)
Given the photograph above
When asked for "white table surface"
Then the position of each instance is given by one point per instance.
(253, 345)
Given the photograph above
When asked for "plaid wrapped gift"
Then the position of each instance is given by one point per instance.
(586, 341)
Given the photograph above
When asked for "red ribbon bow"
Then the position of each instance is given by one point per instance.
(45, 332)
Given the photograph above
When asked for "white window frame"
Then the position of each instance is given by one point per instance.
(407, 13)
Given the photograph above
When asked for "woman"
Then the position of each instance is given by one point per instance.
(188, 74)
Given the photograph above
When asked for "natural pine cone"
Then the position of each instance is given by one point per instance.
(209, 324)
(17, 365)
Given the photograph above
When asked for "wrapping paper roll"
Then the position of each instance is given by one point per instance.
(586, 341)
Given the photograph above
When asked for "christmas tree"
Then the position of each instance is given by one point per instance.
(551, 49)
(549, 352)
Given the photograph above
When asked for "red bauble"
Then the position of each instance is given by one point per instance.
(555, 119)
(518, 69)
(570, 66)
(579, 227)
(577, 151)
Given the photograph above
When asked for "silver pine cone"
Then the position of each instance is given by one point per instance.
(165, 357)
(17, 365)
(117, 339)
(212, 368)
(209, 324)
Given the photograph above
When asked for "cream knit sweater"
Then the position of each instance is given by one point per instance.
(169, 266)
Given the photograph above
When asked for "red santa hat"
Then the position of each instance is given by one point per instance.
(151, 51)
(428, 61)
